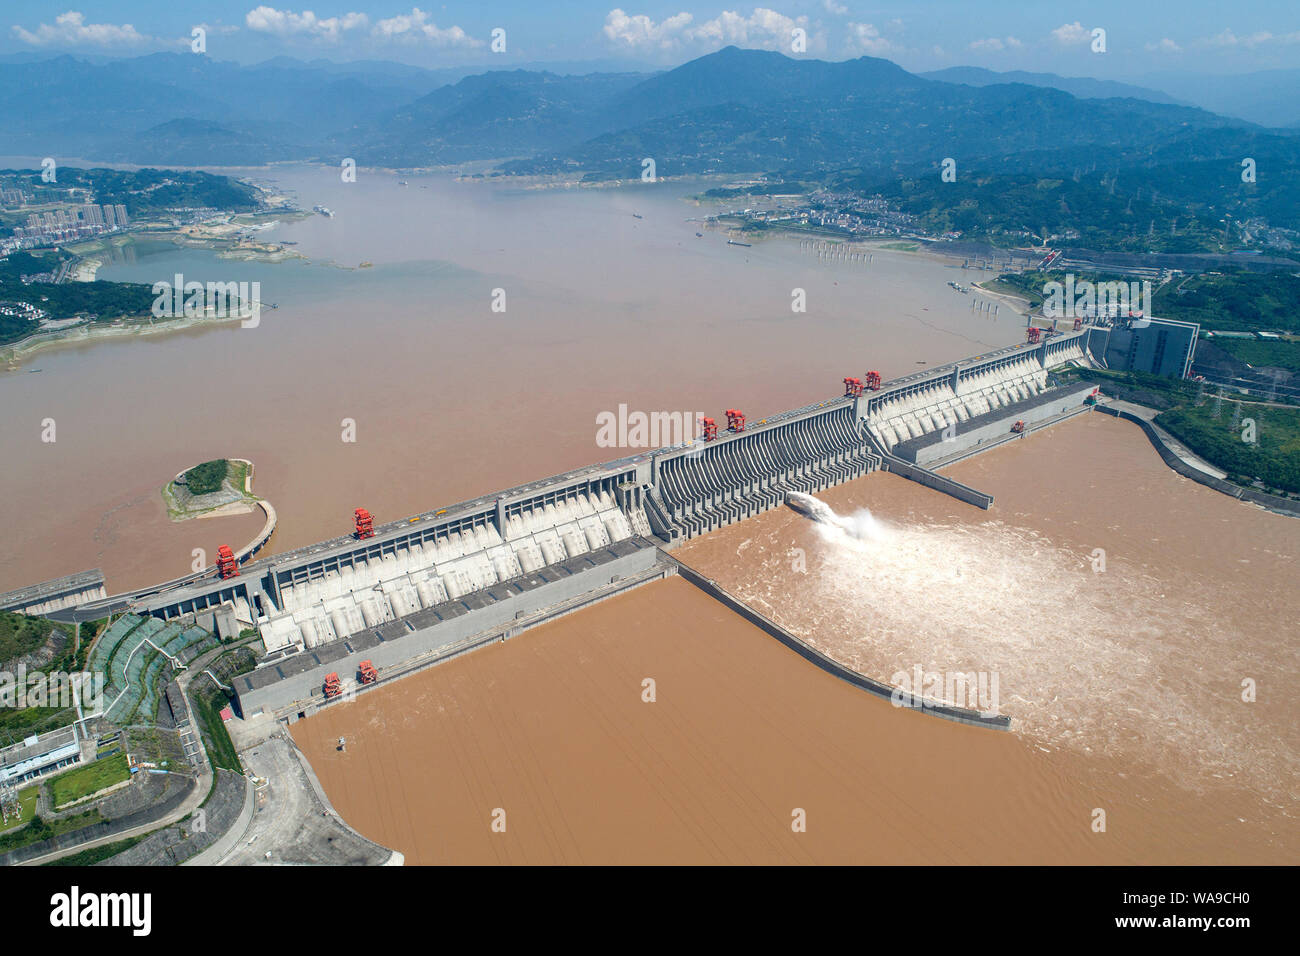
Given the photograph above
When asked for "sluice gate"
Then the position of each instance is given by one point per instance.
(718, 483)
(428, 582)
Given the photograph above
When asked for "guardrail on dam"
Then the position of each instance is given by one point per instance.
(428, 570)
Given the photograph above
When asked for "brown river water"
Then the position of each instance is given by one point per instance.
(1124, 685)
(450, 399)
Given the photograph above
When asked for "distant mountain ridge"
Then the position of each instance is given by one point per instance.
(1267, 97)
(757, 110)
(1083, 87)
(863, 121)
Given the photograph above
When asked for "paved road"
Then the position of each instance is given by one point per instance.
(187, 806)
(290, 824)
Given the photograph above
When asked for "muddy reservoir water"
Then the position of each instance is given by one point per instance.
(450, 399)
(1125, 684)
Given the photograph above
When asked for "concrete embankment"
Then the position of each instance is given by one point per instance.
(293, 685)
(1274, 503)
(231, 836)
(938, 482)
(263, 536)
(895, 695)
(121, 602)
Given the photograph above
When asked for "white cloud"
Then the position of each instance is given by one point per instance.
(994, 43)
(838, 9)
(416, 25)
(865, 37)
(1165, 45)
(286, 23)
(641, 31)
(763, 28)
(1070, 34)
(71, 28)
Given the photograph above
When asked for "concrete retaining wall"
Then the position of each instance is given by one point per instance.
(998, 429)
(56, 594)
(938, 482)
(897, 696)
(173, 796)
(1278, 505)
(228, 840)
(395, 645)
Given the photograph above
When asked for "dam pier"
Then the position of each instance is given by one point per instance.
(401, 596)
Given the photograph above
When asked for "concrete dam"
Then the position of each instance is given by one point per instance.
(438, 584)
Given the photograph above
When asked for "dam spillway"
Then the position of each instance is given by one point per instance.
(696, 490)
(423, 587)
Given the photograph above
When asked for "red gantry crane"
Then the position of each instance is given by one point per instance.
(365, 523)
(333, 687)
(368, 673)
(873, 381)
(710, 429)
(852, 387)
(735, 420)
(227, 566)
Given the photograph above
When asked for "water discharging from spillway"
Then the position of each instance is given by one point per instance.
(1097, 662)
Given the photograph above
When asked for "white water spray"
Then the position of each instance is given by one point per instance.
(1094, 662)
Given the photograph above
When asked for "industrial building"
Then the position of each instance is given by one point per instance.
(39, 755)
(1156, 346)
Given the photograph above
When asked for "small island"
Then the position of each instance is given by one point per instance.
(223, 486)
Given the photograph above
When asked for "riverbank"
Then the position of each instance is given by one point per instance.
(1190, 465)
(12, 355)
(1250, 444)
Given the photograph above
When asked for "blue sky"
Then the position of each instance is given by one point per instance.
(1142, 36)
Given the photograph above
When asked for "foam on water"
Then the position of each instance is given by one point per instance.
(1101, 662)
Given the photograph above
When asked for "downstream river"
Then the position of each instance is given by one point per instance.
(1131, 742)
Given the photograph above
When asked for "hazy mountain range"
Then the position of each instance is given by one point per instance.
(1084, 87)
(863, 121)
(178, 108)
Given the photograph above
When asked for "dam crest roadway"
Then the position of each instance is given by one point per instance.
(439, 584)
